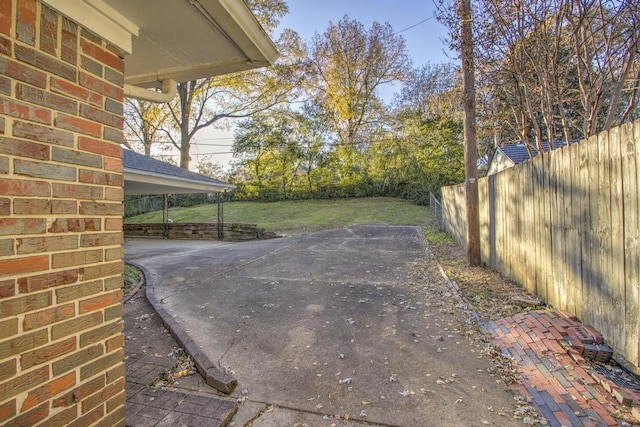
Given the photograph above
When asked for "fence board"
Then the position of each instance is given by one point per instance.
(484, 219)
(547, 236)
(556, 235)
(615, 278)
(515, 236)
(582, 200)
(572, 217)
(566, 173)
(631, 178)
(508, 213)
(537, 208)
(604, 230)
(527, 247)
(591, 262)
(579, 205)
(491, 212)
(558, 232)
(500, 217)
(521, 259)
(551, 224)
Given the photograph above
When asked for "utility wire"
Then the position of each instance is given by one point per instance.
(414, 25)
(364, 44)
(210, 144)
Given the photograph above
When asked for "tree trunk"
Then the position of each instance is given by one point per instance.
(147, 148)
(184, 91)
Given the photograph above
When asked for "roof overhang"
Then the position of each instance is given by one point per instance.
(146, 175)
(177, 40)
(142, 182)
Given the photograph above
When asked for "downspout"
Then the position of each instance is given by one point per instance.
(169, 90)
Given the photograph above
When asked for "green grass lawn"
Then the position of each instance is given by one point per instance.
(302, 216)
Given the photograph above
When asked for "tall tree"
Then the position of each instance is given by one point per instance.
(605, 38)
(556, 69)
(211, 102)
(268, 148)
(203, 103)
(350, 64)
(431, 90)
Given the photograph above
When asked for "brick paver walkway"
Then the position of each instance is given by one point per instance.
(148, 349)
(149, 406)
(556, 379)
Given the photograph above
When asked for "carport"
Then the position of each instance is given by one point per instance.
(144, 175)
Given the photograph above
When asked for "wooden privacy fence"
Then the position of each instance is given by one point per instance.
(565, 226)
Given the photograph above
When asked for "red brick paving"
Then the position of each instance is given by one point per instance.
(560, 385)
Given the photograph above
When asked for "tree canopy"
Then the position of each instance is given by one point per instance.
(316, 124)
(554, 70)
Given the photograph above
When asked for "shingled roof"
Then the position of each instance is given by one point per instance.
(518, 152)
(509, 155)
(145, 175)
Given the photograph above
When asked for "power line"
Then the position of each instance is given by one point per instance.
(210, 144)
(414, 25)
(225, 138)
(193, 154)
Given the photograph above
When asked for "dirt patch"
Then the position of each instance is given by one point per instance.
(490, 295)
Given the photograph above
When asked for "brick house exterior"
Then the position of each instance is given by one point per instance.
(61, 183)
(61, 100)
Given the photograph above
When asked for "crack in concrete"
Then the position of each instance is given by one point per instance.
(224, 273)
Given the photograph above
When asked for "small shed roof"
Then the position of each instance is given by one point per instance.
(145, 175)
(518, 152)
(509, 155)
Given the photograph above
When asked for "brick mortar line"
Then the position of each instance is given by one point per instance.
(598, 392)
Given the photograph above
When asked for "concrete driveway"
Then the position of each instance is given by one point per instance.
(353, 322)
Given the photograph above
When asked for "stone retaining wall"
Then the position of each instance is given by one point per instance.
(197, 231)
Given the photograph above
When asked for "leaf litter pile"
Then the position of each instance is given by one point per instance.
(184, 366)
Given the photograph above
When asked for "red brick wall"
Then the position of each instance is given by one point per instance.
(61, 342)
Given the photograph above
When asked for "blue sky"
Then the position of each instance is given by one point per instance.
(424, 41)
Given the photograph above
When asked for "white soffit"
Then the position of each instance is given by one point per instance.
(100, 18)
(175, 39)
